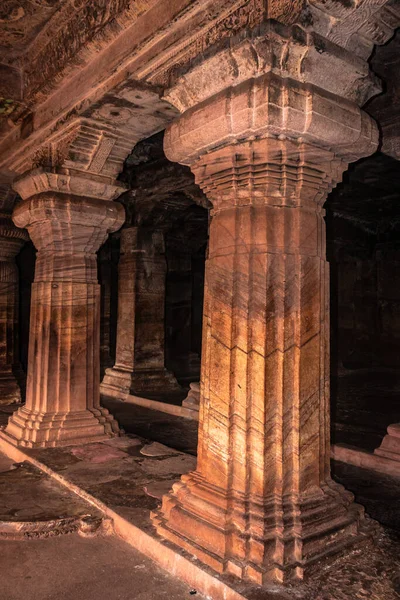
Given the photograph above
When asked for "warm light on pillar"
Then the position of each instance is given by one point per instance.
(266, 149)
(62, 396)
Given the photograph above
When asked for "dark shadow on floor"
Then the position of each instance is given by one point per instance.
(379, 494)
(176, 432)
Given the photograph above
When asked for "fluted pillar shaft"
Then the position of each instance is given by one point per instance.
(263, 477)
(11, 241)
(62, 396)
(140, 354)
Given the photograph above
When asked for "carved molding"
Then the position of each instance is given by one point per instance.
(39, 181)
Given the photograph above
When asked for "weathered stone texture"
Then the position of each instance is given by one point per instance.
(140, 358)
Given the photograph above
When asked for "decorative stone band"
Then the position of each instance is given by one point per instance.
(66, 181)
(268, 172)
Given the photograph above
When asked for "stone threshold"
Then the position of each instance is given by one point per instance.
(140, 534)
(166, 407)
(366, 460)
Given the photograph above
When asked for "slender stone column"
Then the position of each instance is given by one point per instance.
(140, 354)
(266, 150)
(105, 270)
(62, 396)
(11, 241)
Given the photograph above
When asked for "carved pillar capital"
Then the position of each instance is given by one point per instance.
(276, 83)
(12, 238)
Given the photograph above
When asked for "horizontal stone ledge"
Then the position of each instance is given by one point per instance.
(365, 460)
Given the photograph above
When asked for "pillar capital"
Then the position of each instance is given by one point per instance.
(67, 181)
(274, 82)
(12, 238)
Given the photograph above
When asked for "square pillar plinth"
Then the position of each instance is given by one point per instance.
(62, 395)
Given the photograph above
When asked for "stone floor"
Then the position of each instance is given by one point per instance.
(74, 568)
(379, 494)
(130, 474)
(162, 427)
(33, 505)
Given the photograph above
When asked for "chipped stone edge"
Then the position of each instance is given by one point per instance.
(162, 553)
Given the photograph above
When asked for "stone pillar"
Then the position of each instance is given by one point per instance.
(192, 400)
(105, 280)
(179, 313)
(266, 150)
(62, 396)
(390, 446)
(140, 355)
(11, 241)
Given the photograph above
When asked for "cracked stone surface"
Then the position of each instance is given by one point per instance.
(32, 503)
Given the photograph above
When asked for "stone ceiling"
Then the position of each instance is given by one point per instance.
(41, 36)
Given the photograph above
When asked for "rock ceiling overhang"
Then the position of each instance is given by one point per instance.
(75, 59)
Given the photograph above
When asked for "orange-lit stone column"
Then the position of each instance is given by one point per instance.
(62, 396)
(266, 151)
(11, 241)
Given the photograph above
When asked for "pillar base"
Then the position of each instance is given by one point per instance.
(390, 446)
(10, 392)
(205, 522)
(141, 382)
(28, 429)
(192, 400)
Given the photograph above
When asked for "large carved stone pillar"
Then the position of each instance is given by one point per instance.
(11, 241)
(140, 354)
(62, 397)
(266, 149)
